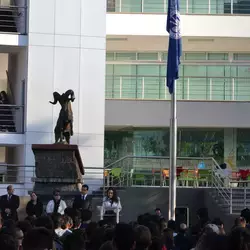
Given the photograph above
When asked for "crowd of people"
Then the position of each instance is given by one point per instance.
(73, 229)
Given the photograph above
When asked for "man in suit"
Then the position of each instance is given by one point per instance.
(9, 204)
(83, 201)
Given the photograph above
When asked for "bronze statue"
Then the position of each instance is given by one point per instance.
(64, 126)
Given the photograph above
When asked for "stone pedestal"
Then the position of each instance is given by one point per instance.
(57, 166)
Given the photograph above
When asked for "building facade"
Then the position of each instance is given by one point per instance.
(213, 91)
(47, 46)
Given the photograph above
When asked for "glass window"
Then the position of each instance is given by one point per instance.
(131, 6)
(154, 6)
(195, 70)
(195, 56)
(218, 56)
(148, 56)
(125, 56)
(127, 70)
(164, 56)
(243, 148)
(198, 6)
(242, 57)
(110, 56)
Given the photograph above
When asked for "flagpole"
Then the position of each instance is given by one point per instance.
(173, 155)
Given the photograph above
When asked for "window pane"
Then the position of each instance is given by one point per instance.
(241, 57)
(128, 70)
(164, 56)
(193, 70)
(198, 6)
(125, 56)
(128, 87)
(217, 56)
(216, 71)
(195, 56)
(153, 6)
(217, 6)
(148, 70)
(110, 56)
(197, 88)
(131, 6)
(148, 56)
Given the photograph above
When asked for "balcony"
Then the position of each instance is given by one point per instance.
(188, 88)
(13, 17)
(220, 7)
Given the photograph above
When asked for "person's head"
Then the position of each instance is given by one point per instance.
(10, 190)
(111, 194)
(77, 221)
(85, 189)
(158, 211)
(38, 239)
(218, 222)
(239, 239)
(240, 222)
(124, 238)
(182, 228)
(45, 221)
(57, 220)
(56, 195)
(75, 241)
(33, 196)
(19, 236)
(67, 222)
(86, 215)
(245, 213)
(25, 226)
(142, 237)
(7, 242)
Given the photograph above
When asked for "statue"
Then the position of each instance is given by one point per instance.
(64, 126)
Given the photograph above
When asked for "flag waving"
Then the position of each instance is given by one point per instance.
(175, 43)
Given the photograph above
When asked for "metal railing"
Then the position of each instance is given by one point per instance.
(13, 17)
(146, 171)
(186, 6)
(188, 88)
(11, 119)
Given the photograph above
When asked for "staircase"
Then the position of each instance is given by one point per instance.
(7, 20)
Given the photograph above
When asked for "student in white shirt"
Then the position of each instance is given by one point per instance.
(56, 205)
(111, 205)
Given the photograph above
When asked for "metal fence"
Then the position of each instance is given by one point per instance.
(188, 88)
(11, 119)
(13, 17)
(186, 6)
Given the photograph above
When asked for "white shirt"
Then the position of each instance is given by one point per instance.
(108, 205)
(61, 208)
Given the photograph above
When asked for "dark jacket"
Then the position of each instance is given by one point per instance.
(82, 204)
(182, 242)
(36, 210)
(13, 204)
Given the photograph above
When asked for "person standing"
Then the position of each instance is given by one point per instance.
(34, 207)
(9, 204)
(56, 205)
(83, 201)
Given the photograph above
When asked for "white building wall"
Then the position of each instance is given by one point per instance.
(67, 51)
(191, 25)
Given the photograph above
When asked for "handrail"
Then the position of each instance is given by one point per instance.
(197, 77)
(160, 7)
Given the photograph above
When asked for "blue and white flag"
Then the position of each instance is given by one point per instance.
(175, 43)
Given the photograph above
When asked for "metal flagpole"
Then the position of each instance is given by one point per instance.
(173, 155)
